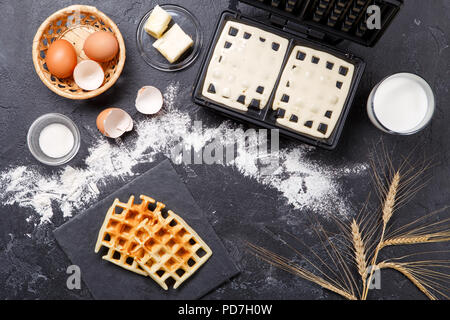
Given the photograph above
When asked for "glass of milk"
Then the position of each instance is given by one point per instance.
(401, 104)
(53, 139)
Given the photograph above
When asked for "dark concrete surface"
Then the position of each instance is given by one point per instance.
(34, 267)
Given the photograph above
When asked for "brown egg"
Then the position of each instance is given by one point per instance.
(101, 46)
(61, 58)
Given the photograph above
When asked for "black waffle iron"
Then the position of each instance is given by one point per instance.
(319, 24)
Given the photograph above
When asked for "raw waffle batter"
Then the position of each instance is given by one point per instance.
(244, 67)
(312, 91)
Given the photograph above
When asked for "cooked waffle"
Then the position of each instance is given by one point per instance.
(117, 232)
(149, 240)
(169, 248)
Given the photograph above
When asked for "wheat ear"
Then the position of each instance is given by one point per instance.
(360, 254)
(428, 238)
(405, 240)
(389, 202)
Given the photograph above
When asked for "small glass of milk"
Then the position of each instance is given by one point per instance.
(53, 139)
(401, 104)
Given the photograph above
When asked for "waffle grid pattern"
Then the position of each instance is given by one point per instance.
(149, 240)
(244, 67)
(312, 92)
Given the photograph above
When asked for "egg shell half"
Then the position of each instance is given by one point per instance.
(89, 75)
(149, 100)
(114, 122)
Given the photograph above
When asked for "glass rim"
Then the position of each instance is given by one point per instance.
(70, 155)
(420, 126)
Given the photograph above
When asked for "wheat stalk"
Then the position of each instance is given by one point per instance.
(387, 212)
(403, 270)
(282, 263)
(394, 187)
(360, 255)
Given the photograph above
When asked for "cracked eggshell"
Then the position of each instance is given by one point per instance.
(149, 100)
(114, 122)
(88, 75)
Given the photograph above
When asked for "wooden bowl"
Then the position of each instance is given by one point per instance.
(74, 24)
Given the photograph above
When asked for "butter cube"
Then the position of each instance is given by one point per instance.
(173, 43)
(157, 22)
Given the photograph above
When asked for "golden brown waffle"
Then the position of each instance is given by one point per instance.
(146, 239)
(168, 249)
(117, 233)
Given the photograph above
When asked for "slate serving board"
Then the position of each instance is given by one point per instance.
(105, 280)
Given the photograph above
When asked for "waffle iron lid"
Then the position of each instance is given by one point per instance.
(333, 19)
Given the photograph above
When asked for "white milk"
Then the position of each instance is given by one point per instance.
(402, 103)
(56, 140)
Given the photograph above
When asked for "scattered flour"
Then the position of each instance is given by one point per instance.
(303, 183)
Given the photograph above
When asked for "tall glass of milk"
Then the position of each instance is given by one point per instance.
(401, 104)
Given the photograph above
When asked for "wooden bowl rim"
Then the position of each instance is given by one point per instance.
(63, 12)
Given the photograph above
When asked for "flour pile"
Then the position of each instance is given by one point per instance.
(303, 183)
